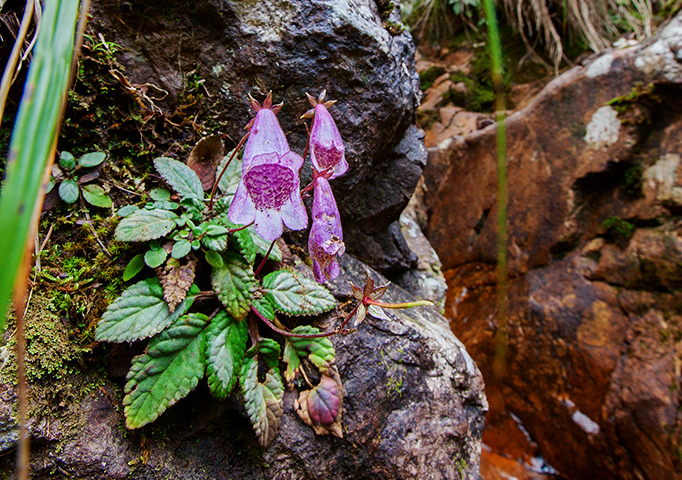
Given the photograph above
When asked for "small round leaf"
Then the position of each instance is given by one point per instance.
(67, 161)
(68, 191)
(92, 159)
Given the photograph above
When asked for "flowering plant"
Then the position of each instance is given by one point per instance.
(196, 332)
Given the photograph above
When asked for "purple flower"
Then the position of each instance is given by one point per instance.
(326, 237)
(268, 194)
(265, 133)
(326, 146)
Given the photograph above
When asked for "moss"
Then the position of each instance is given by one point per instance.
(638, 93)
(618, 231)
(632, 181)
(429, 76)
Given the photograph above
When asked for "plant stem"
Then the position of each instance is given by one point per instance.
(418, 303)
(265, 259)
(290, 334)
(222, 172)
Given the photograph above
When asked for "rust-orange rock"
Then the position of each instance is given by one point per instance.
(594, 356)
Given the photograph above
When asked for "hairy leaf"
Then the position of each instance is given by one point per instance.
(291, 358)
(127, 210)
(181, 248)
(160, 195)
(245, 244)
(322, 407)
(176, 280)
(226, 343)
(265, 308)
(92, 159)
(234, 284)
(180, 177)
(139, 312)
(171, 368)
(320, 351)
(293, 294)
(134, 267)
(68, 191)
(264, 400)
(155, 256)
(214, 259)
(144, 225)
(67, 161)
(95, 195)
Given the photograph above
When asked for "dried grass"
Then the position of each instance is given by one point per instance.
(596, 22)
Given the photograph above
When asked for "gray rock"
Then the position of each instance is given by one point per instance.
(293, 47)
(413, 408)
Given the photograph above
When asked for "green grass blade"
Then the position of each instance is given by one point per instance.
(33, 138)
(502, 195)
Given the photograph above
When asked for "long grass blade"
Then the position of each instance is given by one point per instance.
(33, 139)
(502, 196)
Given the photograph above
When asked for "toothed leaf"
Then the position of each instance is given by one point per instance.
(139, 312)
(171, 368)
(235, 284)
(144, 225)
(180, 177)
(293, 294)
(226, 343)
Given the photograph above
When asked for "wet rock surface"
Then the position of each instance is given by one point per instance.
(593, 357)
(294, 47)
(413, 408)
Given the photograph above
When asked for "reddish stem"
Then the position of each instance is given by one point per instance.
(265, 259)
(290, 334)
(229, 160)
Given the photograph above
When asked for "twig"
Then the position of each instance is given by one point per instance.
(11, 64)
(222, 172)
(94, 232)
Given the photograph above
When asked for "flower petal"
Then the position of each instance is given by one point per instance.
(242, 210)
(269, 224)
(266, 136)
(326, 145)
(378, 312)
(294, 213)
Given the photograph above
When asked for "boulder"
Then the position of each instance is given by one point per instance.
(290, 47)
(592, 380)
(413, 408)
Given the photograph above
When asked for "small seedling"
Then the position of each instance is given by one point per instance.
(74, 177)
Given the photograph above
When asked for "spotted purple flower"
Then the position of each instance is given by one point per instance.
(326, 237)
(265, 133)
(268, 194)
(326, 146)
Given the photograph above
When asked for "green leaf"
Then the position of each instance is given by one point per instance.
(160, 195)
(226, 343)
(95, 195)
(180, 177)
(68, 190)
(92, 159)
(67, 161)
(264, 400)
(293, 362)
(262, 247)
(230, 180)
(320, 351)
(145, 225)
(265, 308)
(245, 244)
(134, 267)
(212, 229)
(293, 294)
(127, 211)
(181, 248)
(171, 368)
(214, 259)
(155, 256)
(234, 284)
(165, 205)
(140, 312)
(270, 350)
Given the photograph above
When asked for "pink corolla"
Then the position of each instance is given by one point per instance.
(265, 133)
(326, 237)
(268, 194)
(326, 146)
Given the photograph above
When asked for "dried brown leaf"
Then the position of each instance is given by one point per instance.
(204, 159)
(176, 280)
(321, 408)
